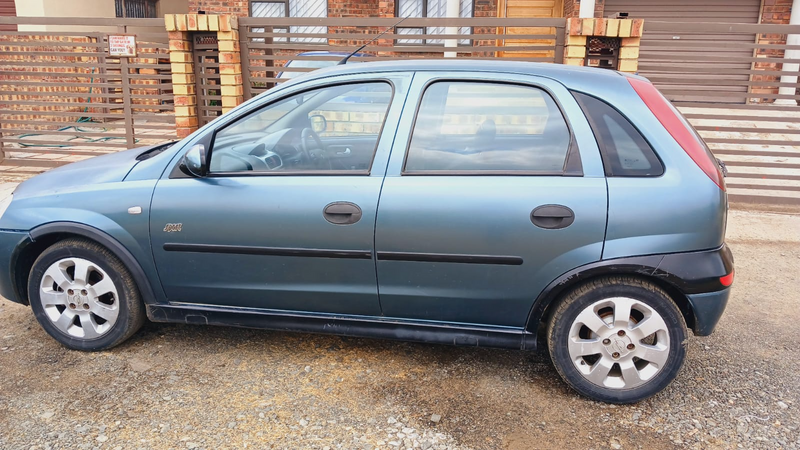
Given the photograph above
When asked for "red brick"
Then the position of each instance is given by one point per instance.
(183, 132)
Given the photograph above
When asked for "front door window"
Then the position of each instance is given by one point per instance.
(332, 129)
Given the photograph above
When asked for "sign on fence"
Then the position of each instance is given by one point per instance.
(122, 45)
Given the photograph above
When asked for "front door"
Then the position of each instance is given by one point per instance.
(285, 219)
(493, 190)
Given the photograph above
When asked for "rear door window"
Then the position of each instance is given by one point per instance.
(477, 127)
(625, 152)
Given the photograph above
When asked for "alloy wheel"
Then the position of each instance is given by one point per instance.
(79, 298)
(619, 343)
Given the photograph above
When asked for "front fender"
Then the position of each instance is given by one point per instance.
(110, 242)
(101, 213)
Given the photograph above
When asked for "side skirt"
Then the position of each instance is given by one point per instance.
(342, 325)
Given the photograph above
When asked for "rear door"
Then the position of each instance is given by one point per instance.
(494, 188)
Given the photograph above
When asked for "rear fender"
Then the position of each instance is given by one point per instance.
(680, 274)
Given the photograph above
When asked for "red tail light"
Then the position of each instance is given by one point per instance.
(727, 280)
(679, 129)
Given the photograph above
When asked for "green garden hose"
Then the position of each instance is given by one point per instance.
(77, 129)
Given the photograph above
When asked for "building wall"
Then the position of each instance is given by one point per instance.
(336, 8)
(172, 7)
(62, 8)
(572, 8)
(8, 9)
(30, 8)
(776, 11)
(235, 7)
(772, 12)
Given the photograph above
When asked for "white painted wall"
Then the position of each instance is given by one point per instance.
(82, 8)
(62, 8)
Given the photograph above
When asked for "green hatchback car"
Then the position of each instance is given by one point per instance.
(500, 204)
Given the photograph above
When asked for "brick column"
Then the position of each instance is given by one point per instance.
(180, 28)
(230, 63)
(629, 30)
(183, 82)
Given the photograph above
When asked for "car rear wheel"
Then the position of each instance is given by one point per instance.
(617, 339)
(83, 296)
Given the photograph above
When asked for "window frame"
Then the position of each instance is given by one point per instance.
(212, 135)
(425, 29)
(573, 167)
(287, 29)
(285, 6)
(120, 6)
(602, 145)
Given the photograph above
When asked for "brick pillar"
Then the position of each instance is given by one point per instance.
(180, 28)
(629, 30)
(230, 63)
(183, 83)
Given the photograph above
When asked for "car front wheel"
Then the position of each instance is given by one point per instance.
(617, 339)
(83, 296)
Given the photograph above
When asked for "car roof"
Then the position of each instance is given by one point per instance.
(322, 53)
(569, 75)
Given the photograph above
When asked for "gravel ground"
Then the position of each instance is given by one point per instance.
(178, 386)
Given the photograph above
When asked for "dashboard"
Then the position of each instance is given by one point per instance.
(281, 150)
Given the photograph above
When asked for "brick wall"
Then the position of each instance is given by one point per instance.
(336, 8)
(234, 7)
(773, 12)
(572, 8)
(361, 8)
(485, 8)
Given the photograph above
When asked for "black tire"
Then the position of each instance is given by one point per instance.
(607, 288)
(131, 314)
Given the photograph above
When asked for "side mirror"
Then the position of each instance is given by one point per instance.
(318, 123)
(194, 161)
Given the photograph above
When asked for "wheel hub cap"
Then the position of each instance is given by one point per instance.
(619, 343)
(617, 346)
(79, 298)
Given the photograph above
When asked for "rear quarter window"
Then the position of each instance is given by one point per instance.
(625, 151)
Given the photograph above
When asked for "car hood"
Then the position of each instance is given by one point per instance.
(108, 168)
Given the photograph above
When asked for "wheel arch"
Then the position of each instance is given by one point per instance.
(48, 234)
(644, 268)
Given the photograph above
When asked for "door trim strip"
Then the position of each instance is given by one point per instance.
(268, 251)
(451, 258)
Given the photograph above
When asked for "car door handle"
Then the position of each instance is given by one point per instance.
(552, 217)
(342, 213)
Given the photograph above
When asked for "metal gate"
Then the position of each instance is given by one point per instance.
(691, 61)
(207, 77)
(63, 97)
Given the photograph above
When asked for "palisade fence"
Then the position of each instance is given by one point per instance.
(268, 43)
(732, 98)
(63, 98)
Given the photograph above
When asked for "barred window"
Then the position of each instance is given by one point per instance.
(137, 9)
(432, 9)
(293, 8)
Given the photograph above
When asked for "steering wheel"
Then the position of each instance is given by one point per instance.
(305, 145)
